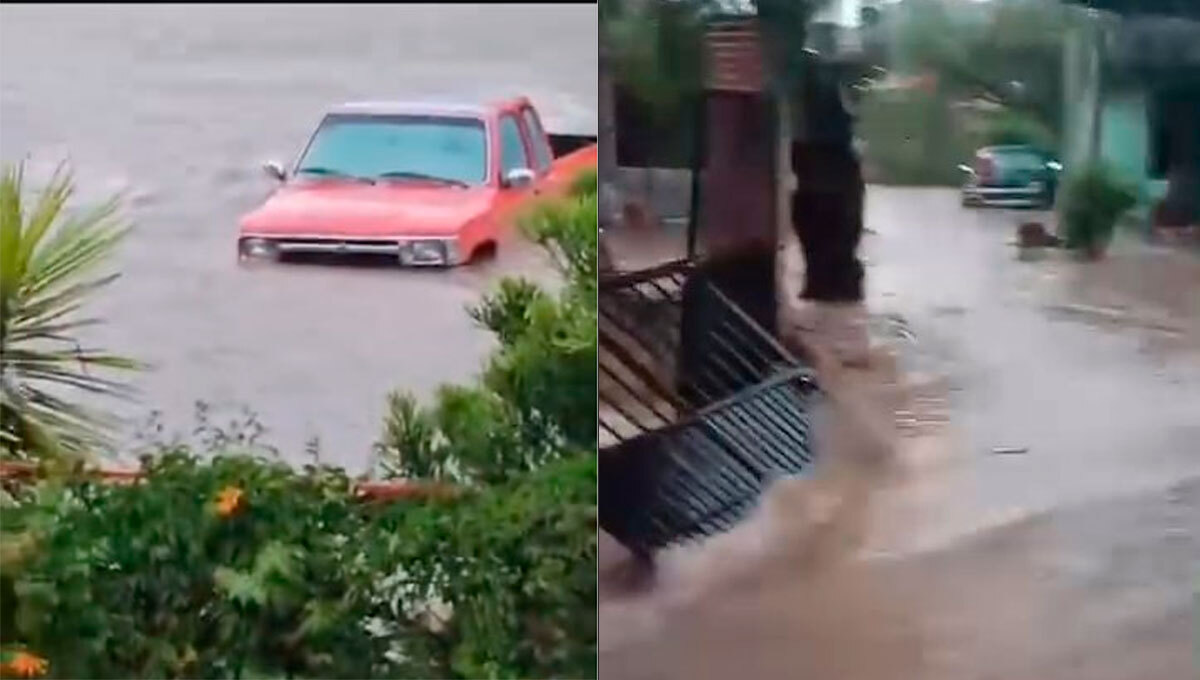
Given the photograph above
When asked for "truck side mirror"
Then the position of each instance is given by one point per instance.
(275, 170)
(518, 178)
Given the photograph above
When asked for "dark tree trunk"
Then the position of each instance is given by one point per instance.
(827, 214)
(827, 207)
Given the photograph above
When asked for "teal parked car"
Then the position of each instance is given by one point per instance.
(1013, 176)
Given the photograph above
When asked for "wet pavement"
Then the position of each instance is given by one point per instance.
(178, 105)
(1038, 516)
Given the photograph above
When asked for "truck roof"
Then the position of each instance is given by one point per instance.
(385, 108)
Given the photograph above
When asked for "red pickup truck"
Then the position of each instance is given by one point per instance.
(433, 185)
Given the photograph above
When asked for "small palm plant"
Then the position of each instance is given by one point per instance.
(48, 267)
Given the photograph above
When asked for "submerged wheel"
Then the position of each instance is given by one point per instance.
(483, 252)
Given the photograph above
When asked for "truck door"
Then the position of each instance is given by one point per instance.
(555, 177)
(539, 145)
(513, 156)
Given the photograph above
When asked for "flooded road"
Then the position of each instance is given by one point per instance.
(179, 105)
(1093, 367)
(1042, 522)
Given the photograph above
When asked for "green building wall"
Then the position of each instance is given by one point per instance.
(1125, 139)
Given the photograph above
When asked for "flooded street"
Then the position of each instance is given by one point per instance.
(1094, 368)
(1039, 515)
(179, 105)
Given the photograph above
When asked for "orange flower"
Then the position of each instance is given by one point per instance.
(27, 665)
(228, 501)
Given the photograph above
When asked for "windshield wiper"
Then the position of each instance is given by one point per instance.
(329, 172)
(404, 174)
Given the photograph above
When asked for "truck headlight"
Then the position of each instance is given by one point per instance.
(258, 249)
(435, 252)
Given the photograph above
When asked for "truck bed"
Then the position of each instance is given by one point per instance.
(573, 154)
(563, 144)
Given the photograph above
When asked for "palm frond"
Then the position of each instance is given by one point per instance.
(50, 266)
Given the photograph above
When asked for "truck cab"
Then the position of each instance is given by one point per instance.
(430, 184)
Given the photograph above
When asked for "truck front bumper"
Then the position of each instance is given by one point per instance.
(1010, 197)
(409, 252)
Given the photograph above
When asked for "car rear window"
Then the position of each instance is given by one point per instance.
(1019, 160)
(367, 145)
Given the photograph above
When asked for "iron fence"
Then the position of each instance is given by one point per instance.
(700, 408)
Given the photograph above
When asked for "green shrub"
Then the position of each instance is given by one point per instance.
(1094, 198)
(298, 579)
(517, 565)
(469, 436)
(1012, 128)
(567, 230)
(506, 312)
(157, 580)
(537, 396)
(585, 184)
(912, 139)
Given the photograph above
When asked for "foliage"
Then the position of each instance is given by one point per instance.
(585, 184)
(1009, 53)
(1094, 198)
(293, 577)
(549, 371)
(516, 565)
(658, 50)
(567, 231)
(655, 54)
(537, 396)
(469, 436)
(1015, 128)
(152, 580)
(909, 139)
(48, 269)
(1002, 56)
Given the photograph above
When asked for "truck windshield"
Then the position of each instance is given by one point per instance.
(369, 146)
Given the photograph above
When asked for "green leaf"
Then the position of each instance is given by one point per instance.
(240, 586)
(47, 264)
(276, 559)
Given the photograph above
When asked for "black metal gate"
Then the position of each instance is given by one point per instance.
(700, 408)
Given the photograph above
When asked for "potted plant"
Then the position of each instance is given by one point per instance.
(1093, 200)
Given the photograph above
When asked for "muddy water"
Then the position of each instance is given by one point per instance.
(178, 106)
(1035, 516)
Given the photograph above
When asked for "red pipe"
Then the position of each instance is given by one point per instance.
(372, 490)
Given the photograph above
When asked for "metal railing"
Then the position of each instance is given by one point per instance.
(702, 475)
(700, 408)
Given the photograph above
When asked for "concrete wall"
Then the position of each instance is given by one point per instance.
(1081, 93)
(670, 190)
